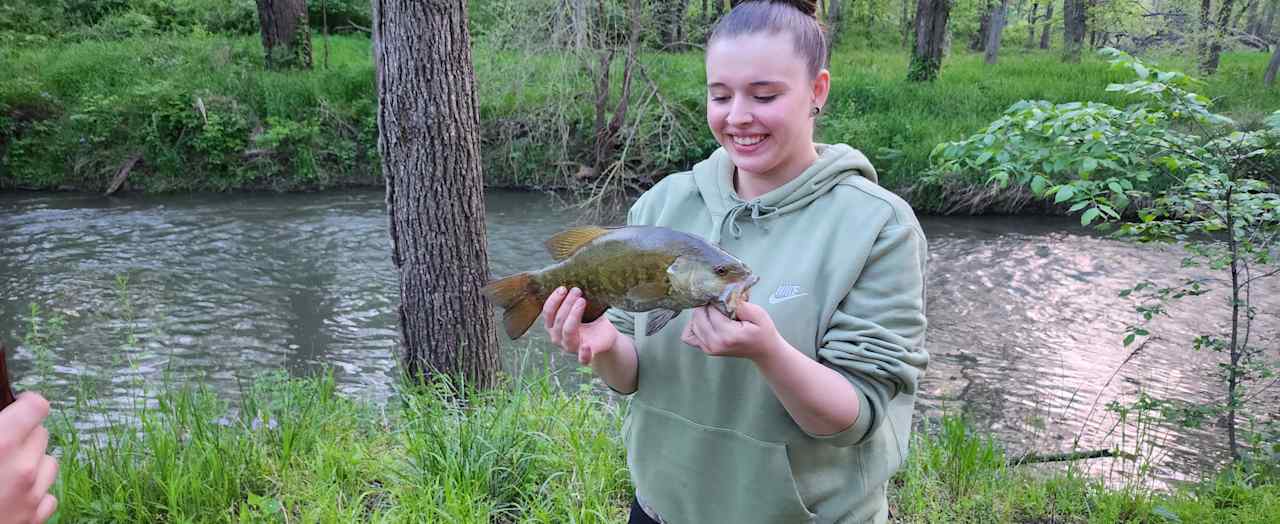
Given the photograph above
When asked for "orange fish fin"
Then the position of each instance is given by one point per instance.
(565, 243)
(594, 311)
(517, 296)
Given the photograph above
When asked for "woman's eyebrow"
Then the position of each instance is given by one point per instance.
(757, 83)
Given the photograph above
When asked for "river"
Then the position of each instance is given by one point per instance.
(1025, 321)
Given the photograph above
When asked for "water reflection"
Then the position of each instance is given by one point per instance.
(1025, 321)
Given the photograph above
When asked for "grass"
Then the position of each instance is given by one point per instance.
(207, 117)
(297, 451)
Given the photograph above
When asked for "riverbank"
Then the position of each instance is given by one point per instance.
(528, 452)
(199, 113)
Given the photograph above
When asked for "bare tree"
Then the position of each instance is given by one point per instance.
(1215, 33)
(996, 32)
(670, 18)
(286, 35)
(1073, 22)
(1048, 26)
(428, 137)
(1270, 78)
(931, 35)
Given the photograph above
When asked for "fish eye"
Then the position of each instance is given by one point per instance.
(721, 270)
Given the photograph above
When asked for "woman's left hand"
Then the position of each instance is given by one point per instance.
(753, 336)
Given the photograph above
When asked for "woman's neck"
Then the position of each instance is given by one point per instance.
(750, 186)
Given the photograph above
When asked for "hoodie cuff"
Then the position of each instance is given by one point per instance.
(853, 434)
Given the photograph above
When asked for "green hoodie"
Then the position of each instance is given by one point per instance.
(841, 264)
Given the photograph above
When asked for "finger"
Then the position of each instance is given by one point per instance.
(32, 453)
(562, 314)
(22, 417)
(47, 506)
(573, 324)
(45, 477)
(551, 306)
(704, 328)
(584, 354)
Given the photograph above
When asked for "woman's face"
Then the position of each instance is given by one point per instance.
(759, 98)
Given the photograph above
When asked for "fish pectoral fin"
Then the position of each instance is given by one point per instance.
(565, 243)
(657, 319)
(648, 292)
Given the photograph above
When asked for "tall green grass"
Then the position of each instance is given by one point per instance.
(296, 450)
(206, 116)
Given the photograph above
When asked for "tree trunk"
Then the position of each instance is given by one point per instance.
(428, 137)
(1216, 34)
(1073, 24)
(1031, 25)
(1270, 78)
(931, 35)
(719, 8)
(996, 32)
(835, 20)
(670, 18)
(1268, 24)
(906, 24)
(1250, 7)
(979, 40)
(1048, 26)
(286, 35)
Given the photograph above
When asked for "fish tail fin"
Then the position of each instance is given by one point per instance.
(518, 296)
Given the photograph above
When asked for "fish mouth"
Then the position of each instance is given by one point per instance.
(734, 295)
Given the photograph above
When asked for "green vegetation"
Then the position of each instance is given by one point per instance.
(296, 450)
(206, 116)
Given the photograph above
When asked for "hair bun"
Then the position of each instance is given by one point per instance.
(808, 7)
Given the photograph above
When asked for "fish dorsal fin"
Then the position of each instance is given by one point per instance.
(565, 243)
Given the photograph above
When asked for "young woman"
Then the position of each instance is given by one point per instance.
(799, 410)
(26, 471)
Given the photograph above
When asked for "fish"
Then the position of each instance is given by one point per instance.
(633, 268)
(6, 389)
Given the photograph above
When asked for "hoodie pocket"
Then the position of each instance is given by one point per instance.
(694, 474)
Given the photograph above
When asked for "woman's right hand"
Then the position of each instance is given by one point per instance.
(26, 471)
(562, 314)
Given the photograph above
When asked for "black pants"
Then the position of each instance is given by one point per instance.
(638, 516)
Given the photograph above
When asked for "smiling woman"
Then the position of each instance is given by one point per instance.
(799, 409)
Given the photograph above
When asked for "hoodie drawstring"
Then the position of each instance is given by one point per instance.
(758, 211)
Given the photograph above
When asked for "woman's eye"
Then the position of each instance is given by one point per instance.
(719, 98)
(768, 98)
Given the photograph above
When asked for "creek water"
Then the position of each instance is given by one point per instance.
(1025, 321)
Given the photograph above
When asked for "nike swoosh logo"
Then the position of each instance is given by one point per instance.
(774, 299)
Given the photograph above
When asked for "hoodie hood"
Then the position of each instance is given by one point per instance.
(714, 177)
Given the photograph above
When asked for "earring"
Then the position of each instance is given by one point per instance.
(815, 111)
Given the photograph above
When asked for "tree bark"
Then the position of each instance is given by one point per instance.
(670, 18)
(1268, 24)
(979, 40)
(1048, 26)
(835, 21)
(906, 24)
(996, 32)
(428, 137)
(1031, 24)
(1073, 18)
(1215, 34)
(931, 35)
(286, 35)
(1270, 78)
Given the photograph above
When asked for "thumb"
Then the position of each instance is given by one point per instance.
(748, 312)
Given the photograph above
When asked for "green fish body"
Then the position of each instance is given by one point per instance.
(632, 268)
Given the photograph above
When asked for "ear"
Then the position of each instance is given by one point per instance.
(821, 88)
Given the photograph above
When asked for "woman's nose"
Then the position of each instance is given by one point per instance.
(739, 115)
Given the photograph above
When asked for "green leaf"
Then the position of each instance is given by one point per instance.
(1079, 205)
(1088, 216)
(1114, 187)
(1142, 71)
(1064, 194)
(1038, 184)
(983, 158)
(1128, 339)
(1089, 165)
